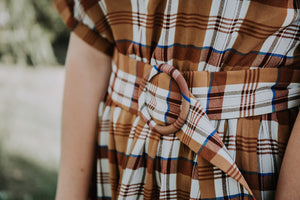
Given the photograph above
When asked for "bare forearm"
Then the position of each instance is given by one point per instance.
(289, 178)
(85, 86)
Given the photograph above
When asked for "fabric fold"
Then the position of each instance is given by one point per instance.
(197, 132)
(201, 137)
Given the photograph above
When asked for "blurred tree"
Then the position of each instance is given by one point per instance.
(31, 33)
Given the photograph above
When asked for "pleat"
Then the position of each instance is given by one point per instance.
(137, 163)
(187, 172)
(114, 156)
(104, 187)
(257, 144)
(166, 166)
(151, 189)
(273, 135)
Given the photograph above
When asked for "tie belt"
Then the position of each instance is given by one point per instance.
(174, 105)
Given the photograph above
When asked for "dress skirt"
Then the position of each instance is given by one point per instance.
(165, 168)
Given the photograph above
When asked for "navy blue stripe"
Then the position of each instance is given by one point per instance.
(273, 91)
(155, 67)
(151, 158)
(185, 97)
(206, 140)
(259, 174)
(209, 89)
(215, 50)
(168, 97)
(229, 197)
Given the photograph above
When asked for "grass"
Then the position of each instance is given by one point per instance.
(23, 179)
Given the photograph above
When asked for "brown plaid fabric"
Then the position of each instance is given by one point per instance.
(240, 62)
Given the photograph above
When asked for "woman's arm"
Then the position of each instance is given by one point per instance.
(289, 177)
(86, 81)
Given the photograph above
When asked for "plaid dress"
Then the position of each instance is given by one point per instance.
(217, 129)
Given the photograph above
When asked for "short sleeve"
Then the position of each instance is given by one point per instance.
(81, 18)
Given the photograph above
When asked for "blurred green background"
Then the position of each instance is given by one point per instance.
(33, 44)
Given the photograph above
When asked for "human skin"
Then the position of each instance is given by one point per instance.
(288, 186)
(86, 80)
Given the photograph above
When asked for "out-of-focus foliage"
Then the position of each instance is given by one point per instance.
(31, 32)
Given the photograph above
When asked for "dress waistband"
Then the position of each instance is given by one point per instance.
(211, 95)
(223, 95)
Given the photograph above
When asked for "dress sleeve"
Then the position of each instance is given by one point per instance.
(80, 19)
